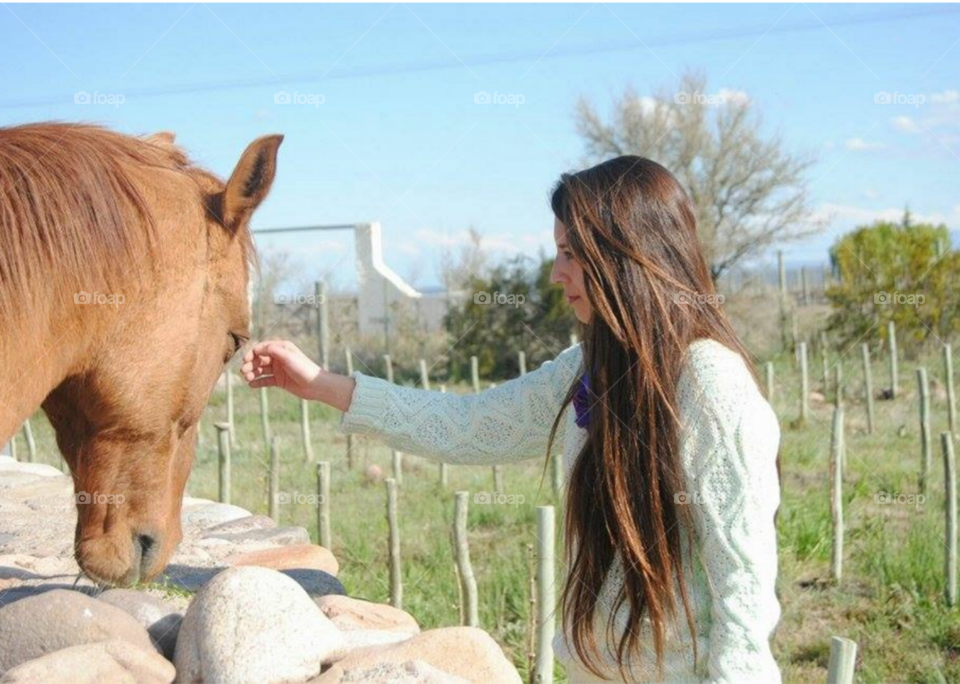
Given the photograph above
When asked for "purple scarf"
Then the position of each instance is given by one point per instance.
(581, 401)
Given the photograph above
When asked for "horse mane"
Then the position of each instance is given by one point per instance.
(71, 199)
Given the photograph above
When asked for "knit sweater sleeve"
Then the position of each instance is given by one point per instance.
(729, 451)
(509, 422)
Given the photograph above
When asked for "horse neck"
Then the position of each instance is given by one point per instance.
(32, 364)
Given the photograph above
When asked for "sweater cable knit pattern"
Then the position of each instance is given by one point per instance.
(729, 441)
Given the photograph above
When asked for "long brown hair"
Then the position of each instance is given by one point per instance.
(632, 228)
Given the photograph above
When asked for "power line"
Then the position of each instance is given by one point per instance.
(343, 72)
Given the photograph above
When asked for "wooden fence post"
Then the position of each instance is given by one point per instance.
(770, 384)
(546, 595)
(230, 408)
(265, 416)
(951, 388)
(31, 442)
(926, 447)
(223, 450)
(350, 436)
(782, 298)
(396, 461)
(838, 385)
(843, 661)
(867, 385)
(388, 362)
(323, 324)
(522, 362)
(950, 479)
(443, 466)
(274, 479)
(475, 374)
(468, 582)
(323, 499)
(836, 494)
(804, 385)
(894, 373)
(824, 361)
(396, 581)
(305, 431)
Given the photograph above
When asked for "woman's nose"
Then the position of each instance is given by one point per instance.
(555, 274)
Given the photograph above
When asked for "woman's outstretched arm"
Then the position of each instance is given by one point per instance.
(506, 423)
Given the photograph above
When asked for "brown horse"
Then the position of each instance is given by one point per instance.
(123, 293)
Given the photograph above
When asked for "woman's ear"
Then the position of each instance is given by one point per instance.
(251, 180)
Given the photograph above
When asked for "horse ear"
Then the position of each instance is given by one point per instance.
(251, 180)
(161, 138)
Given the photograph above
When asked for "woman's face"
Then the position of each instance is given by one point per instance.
(568, 273)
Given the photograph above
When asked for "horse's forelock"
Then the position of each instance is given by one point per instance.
(70, 202)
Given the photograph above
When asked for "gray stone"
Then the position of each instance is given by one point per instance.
(207, 515)
(280, 536)
(251, 522)
(251, 624)
(316, 583)
(161, 620)
(37, 625)
(116, 662)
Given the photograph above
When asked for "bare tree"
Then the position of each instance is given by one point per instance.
(749, 192)
(458, 270)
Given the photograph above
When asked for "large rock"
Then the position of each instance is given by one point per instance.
(209, 514)
(160, 619)
(350, 614)
(246, 524)
(465, 652)
(407, 672)
(252, 624)
(37, 625)
(317, 583)
(306, 556)
(279, 536)
(116, 662)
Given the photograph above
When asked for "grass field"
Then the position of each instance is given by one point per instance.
(890, 599)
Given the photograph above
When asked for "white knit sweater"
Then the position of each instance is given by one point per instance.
(729, 441)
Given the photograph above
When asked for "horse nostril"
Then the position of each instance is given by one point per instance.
(146, 543)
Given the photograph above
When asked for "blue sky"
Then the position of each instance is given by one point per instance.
(399, 139)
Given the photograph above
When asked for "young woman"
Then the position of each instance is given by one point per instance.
(670, 451)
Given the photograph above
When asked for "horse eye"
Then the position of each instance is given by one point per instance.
(238, 342)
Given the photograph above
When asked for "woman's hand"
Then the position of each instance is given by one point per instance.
(279, 363)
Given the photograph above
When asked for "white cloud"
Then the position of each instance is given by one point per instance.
(871, 194)
(905, 124)
(946, 97)
(861, 145)
(734, 96)
(846, 216)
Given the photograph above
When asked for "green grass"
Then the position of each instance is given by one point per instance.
(890, 599)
